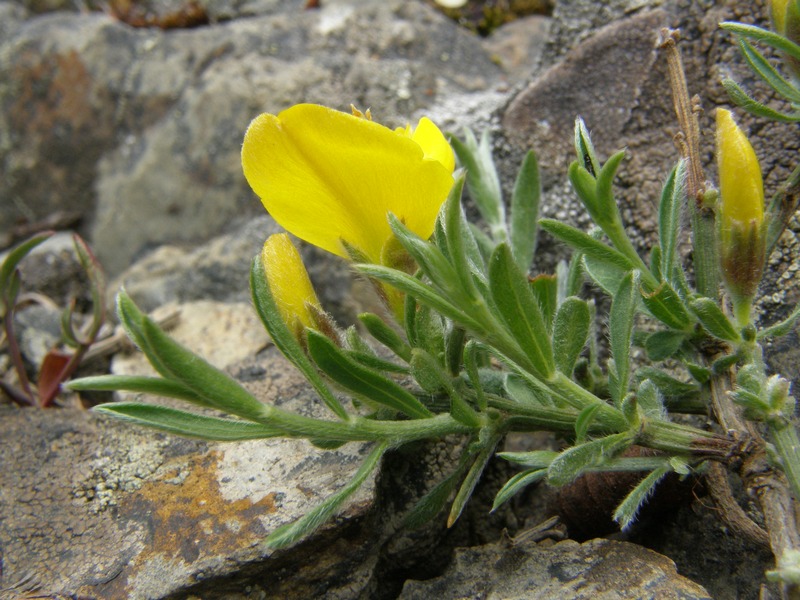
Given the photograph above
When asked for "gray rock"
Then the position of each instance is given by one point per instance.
(597, 570)
(97, 508)
(140, 129)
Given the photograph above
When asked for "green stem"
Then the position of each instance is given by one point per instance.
(787, 444)
(675, 438)
(361, 429)
(578, 397)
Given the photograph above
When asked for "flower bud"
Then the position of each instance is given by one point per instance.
(289, 284)
(741, 211)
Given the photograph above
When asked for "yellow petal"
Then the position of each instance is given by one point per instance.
(328, 176)
(740, 184)
(434, 144)
(288, 280)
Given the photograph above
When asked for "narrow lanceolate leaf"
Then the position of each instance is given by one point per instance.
(608, 211)
(626, 512)
(386, 335)
(425, 294)
(661, 345)
(221, 391)
(283, 338)
(767, 72)
(587, 157)
(574, 461)
(570, 332)
(287, 535)
(545, 291)
(461, 245)
(471, 480)
(430, 259)
(188, 424)
(740, 98)
(666, 305)
(714, 320)
(620, 328)
(762, 35)
(667, 384)
(523, 317)
(155, 386)
(525, 212)
(536, 459)
(482, 179)
(586, 244)
(433, 502)
(781, 328)
(362, 381)
(649, 400)
(516, 484)
(673, 196)
(604, 275)
(14, 257)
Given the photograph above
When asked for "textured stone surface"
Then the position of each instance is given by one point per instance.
(595, 570)
(131, 126)
(97, 508)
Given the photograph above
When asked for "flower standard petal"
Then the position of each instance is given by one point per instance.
(328, 176)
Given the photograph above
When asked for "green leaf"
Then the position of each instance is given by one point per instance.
(430, 260)
(525, 212)
(573, 322)
(288, 534)
(472, 359)
(386, 335)
(661, 345)
(577, 459)
(767, 72)
(584, 422)
(781, 328)
(673, 197)
(649, 400)
(545, 291)
(208, 382)
(519, 390)
(587, 157)
(740, 98)
(608, 211)
(714, 320)
(12, 259)
(432, 503)
(606, 276)
(433, 378)
(758, 34)
(536, 459)
(361, 380)
(667, 384)
(425, 294)
(461, 245)
(155, 386)
(586, 244)
(471, 480)
(517, 306)
(188, 424)
(626, 512)
(516, 484)
(482, 180)
(620, 329)
(283, 338)
(666, 305)
(584, 182)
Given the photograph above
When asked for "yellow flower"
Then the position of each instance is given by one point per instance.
(740, 185)
(289, 284)
(742, 242)
(330, 177)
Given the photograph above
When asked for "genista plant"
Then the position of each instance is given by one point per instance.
(489, 349)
